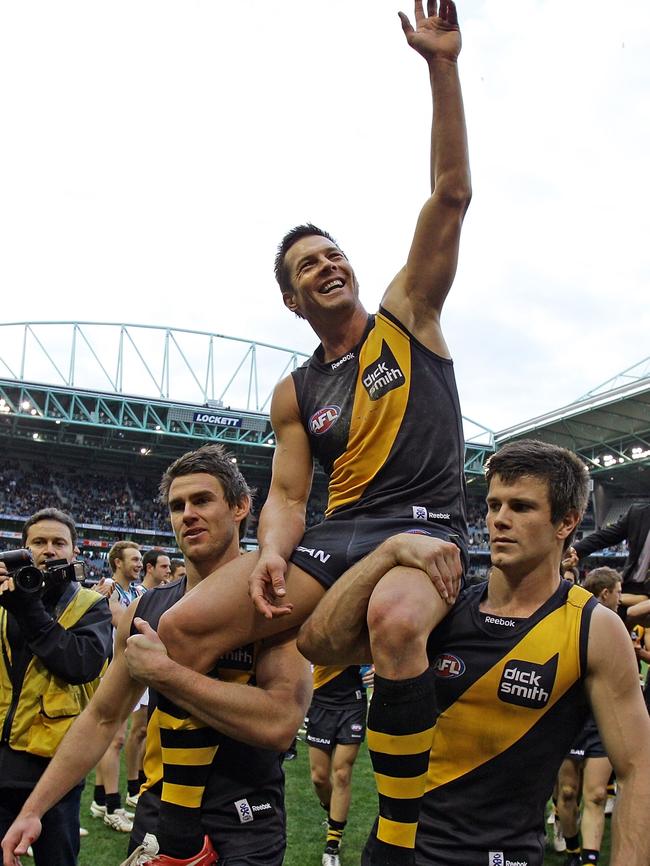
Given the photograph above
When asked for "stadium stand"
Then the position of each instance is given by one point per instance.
(75, 437)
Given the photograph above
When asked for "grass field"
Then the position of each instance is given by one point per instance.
(306, 833)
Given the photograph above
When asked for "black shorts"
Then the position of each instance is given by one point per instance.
(328, 549)
(329, 726)
(587, 744)
(269, 848)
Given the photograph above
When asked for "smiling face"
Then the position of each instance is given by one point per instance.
(129, 564)
(206, 527)
(523, 537)
(321, 278)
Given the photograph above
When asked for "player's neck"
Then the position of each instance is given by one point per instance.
(520, 595)
(148, 583)
(198, 571)
(120, 577)
(339, 336)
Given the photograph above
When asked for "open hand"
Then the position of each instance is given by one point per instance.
(439, 560)
(435, 35)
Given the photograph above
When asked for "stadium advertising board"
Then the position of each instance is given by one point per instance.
(216, 419)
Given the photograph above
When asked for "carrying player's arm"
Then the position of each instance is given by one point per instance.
(282, 521)
(613, 687)
(81, 748)
(336, 633)
(418, 292)
(280, 697)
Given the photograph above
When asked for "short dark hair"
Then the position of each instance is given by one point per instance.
(151, 558)
(293, 236)
(565, 473)
(118, 549)
(50, 514)
(214, 460)
(176, 563)
(601, 578)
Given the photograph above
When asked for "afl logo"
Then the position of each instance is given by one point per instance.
(323, 419)
(447, 665)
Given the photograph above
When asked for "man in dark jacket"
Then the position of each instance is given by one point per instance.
(54, 645)
(633, 527)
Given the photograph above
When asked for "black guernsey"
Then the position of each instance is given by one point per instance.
(243, 804)
(511, 700)
(337, 686)
(384, 422)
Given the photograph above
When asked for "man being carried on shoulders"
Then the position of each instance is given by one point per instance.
(377, 406)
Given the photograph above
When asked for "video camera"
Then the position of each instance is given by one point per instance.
(29, 579)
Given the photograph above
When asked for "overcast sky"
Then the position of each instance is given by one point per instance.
(153, 153)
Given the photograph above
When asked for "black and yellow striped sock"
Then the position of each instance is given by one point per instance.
(188, 749)
(334, 835)
(400, 731)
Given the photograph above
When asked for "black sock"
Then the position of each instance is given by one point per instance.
(113, 802)
(99, 795)
(572, 844)
(133, 786)
(142, 777)
(400, 732)
(589, 855)
(172, 840)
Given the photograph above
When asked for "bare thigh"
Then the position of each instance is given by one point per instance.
(218, 615)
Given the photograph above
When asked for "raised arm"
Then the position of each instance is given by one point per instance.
(615, 694)
(282, 521)
(418, 292)
(81, 748)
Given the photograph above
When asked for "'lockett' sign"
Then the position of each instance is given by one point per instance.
(217, 420)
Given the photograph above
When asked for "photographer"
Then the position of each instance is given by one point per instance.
(55, 637)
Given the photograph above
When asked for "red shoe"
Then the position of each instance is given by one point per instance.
(148, 853)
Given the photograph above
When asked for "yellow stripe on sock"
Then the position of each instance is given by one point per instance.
(404, 744)
(171, 723)
(394, 833)
(200, 757)
(401, 789)
(182, 795)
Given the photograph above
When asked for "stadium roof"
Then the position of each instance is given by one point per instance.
(609, 427)
(147, 390)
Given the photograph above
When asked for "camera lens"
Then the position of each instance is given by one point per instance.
(28, 579)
